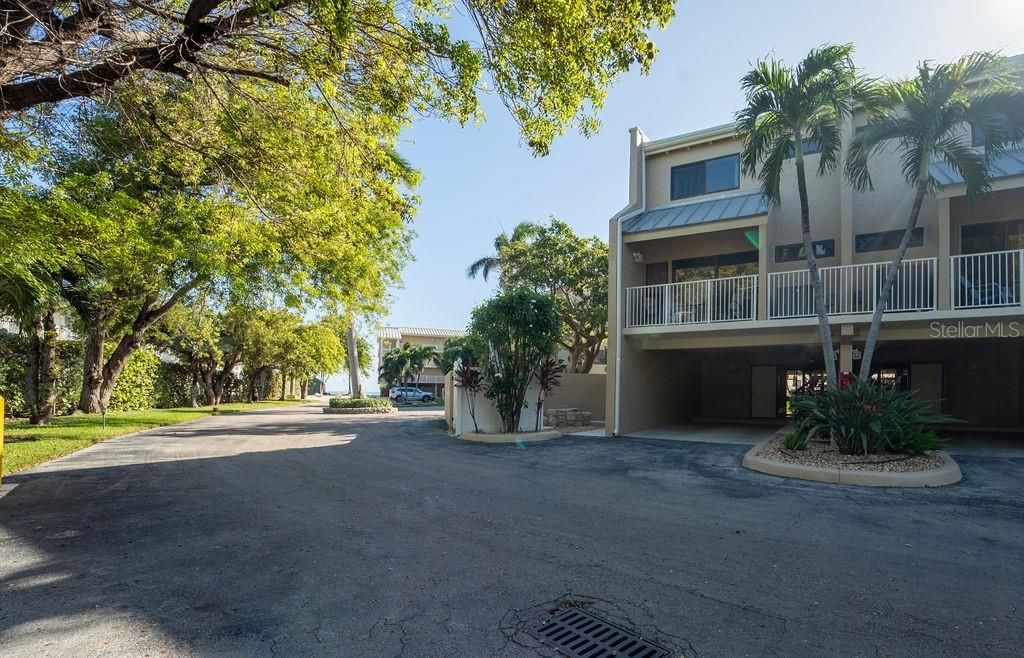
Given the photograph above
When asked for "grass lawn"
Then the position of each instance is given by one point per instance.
(27, 445)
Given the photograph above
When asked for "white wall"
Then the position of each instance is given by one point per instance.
(487, 418)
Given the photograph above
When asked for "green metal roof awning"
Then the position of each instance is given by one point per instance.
(699, 212)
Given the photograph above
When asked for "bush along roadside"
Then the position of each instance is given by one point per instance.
(360, 406)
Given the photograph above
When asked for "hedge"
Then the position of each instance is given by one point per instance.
(361, 403)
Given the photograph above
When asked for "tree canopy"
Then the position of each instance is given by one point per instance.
(549, 62)
(552, 259)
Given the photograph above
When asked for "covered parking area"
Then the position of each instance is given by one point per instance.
(673, 392)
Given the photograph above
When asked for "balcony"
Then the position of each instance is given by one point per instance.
(728, 299)
(853, 289)
(977, 281)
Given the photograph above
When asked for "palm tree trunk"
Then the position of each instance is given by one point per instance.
(32, 358)
(192, 400)
(890, 278)
(812, 266)
(46, 380)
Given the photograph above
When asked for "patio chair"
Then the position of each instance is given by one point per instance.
(985, 294)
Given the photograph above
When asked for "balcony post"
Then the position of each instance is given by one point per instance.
(1020, 277)
(710, 302)
(665, 293)
(944, 294)
(761, 299)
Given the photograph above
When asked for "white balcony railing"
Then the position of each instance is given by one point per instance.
(987, 280)
(727, 299)
(853, 289)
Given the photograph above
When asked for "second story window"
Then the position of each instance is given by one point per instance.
(811, 146)
(979, 138)
(705, 177)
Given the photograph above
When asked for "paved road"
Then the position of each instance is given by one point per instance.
(292, 532)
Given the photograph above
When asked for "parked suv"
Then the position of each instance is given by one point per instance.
(409, 394)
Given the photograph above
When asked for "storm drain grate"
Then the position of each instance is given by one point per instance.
(576, 632)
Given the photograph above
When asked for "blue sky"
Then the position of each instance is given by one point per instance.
(478, 180)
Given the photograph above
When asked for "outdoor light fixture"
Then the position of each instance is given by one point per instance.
(638, 257)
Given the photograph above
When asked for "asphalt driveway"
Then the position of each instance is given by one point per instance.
(292, 532)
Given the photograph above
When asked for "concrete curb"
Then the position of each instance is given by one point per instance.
(948, 473)
(351, 411)
(518, 437)
(7, 488)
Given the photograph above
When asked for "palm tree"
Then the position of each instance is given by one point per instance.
(925, 118)
(787, 107)
(28, 295)
(394, 365)
(420, 356)
(485, 265)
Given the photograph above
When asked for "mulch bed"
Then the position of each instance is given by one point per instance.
(819, 453)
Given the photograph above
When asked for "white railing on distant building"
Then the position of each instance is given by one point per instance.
(726, 299)
(987, 280)
(853, 289)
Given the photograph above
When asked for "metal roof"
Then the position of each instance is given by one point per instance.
(396, 333)
(750, 204)
(1010, 163)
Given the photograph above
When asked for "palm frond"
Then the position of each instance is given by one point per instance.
(827, 59)
(872, 138)
(830, 141)
(771, 169)
(482, 266)
(999, 113)
(968, 162)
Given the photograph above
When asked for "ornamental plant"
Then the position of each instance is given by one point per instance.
(869, 418)
(469, 380)
(548, 374)
(514, 332)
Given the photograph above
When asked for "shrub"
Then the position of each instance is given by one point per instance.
(512, 333)
(68, 372)
(360, 403)
(867, 418)
(136, 387)
(795, 441)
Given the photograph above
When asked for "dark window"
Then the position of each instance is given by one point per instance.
(714, 267)
(785, 253)
(992, 236)
(979, 138)
(657, 273)
(704, 177)
(886, 240)
(811, 146)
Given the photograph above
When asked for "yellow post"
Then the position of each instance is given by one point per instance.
(1, 439)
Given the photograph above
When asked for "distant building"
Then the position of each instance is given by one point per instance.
(431, 379)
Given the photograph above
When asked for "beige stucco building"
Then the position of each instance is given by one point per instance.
(431, 379)
(710, 305)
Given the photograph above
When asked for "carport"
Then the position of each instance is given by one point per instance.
(711, 432)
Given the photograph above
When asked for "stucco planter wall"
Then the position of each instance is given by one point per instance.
(947, 473)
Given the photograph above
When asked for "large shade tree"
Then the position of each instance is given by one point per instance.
(926, 119)
(787, 108)
(167, 218)
(552, 259)
(549, 62)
